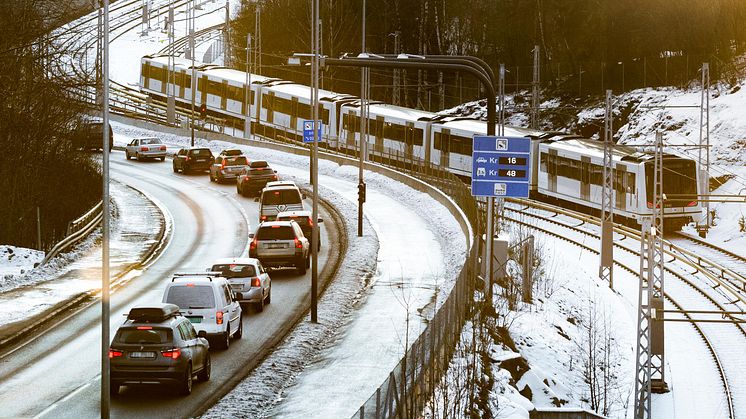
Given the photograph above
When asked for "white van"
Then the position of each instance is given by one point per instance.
(277, 197)
(208, 302)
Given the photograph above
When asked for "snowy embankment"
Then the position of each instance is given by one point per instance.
(15, 261)
(381, 287)
(137, 226)
(550, 334)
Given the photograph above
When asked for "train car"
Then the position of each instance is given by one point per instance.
(571, 169)
(393, 130)
(284, 106)
(451, 142)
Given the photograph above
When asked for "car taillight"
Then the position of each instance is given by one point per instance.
(143, 149)
(222, 165)
(310, 222)
(163, 148)
(274, 177)
(255, 282)
(298, 244)
(113, 353)
(187, 158)
(246, 178)
(219, 317)
(691, 204)
(252, 245)
(174, 353)
(263, 218)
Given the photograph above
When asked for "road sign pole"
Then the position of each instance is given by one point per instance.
(105, 372)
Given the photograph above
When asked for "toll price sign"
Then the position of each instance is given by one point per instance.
(308, 131)
(501, 166)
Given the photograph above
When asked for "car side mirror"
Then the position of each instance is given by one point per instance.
(251, 235)
(304, 196)
(256, 199)
(202, 334)
(320, 220)
(237, 296)
(275, 171)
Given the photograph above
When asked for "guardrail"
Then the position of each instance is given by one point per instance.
(76, 231)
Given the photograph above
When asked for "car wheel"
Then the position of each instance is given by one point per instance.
(163, 158)
(226, 343)
(259, 305)
(174, 166)
(138, 157)
(239, 333)
(204, 375)
(211, 178)
(126, 154)
(185, 388)
(245, 193)
(114, 388)
(300, 266)
(308, 261)
(238, 189)
(269, 296)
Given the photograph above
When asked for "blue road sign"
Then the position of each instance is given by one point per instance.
(500, 166)
(308, 131)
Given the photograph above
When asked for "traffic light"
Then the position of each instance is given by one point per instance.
(203, 110)
(361, 192)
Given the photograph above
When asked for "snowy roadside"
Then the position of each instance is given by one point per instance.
(139, 225)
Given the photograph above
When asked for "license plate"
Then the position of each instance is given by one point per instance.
(276, 246)
(194, 319)
(201, 160)
(142, 354)
(236, 287)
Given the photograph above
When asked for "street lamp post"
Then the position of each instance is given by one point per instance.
(362, 149)
(105, 366)
(193, 84)
(315, 21)
(247, 121)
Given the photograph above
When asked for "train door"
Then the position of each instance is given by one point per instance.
(163, 77)
(445, 144)
(585, 174)
(552, 170)
(409, 139)
(202, 89)
(428, 140)
(224, 96)
(620, 187)
(294, 114)
(378, 132)
(269, 99)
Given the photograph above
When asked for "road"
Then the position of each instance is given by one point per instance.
(57, 375)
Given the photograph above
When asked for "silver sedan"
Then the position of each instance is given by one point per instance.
(247, 276)
(146, 148)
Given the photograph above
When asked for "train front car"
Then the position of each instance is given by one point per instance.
(680, 190)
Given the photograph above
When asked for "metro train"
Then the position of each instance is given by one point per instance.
(564, 167)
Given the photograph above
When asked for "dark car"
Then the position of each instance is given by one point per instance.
(227, 167)
(192, 159)
(251, 180)
(89, 135)
(157, 345)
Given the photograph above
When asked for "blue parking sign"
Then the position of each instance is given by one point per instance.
(308, 131)
(501, 166)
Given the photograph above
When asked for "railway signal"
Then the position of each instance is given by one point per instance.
(203, 111)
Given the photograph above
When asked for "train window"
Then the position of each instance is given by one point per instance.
(146, 70)
(418, 136)
(543, 162)
(461, 145)
(215, 88)
(441, 141)
(394, 132)
(597, 174)
(268, 102)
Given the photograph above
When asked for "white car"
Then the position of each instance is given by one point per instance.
(248, 277)
(145, 148)
(280, 244)
(208, 302)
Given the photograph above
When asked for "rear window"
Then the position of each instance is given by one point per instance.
(150, 141)
(150, 336)
(200, 152)
(234, 270)
(259, 163)
(302, 221)
(236, 161)
(260, 171)
(281, 196)
(276, 233)
(234, 152)
(191, 296)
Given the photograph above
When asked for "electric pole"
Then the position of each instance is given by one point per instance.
(606, 268)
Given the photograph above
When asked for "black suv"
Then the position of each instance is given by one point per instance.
(195, 158)
(251, 180)
(157, 345)
(89, 135)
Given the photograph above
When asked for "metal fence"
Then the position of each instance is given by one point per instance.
(77, 230)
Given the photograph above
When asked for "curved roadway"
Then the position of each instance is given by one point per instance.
(58, 374)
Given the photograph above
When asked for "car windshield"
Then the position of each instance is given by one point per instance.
(282, 196)
(236, 161)
(140, 336)
(191, 296)
(201, 152)
(234, 270)
(150, 141)
(301, 220)
(275, 233)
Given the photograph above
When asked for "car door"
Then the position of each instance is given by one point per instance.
(187, 344)
(199, 349)
(180, 158)
(264, 278)
(132, 146)
(232, 308)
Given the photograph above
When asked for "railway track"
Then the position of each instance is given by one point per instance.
(724, 341)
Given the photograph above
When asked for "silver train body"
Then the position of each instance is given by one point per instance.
(564, 167)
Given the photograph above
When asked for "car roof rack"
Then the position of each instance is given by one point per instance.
(155, 313)
(209, 275)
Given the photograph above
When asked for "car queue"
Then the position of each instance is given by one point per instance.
(169, 343)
